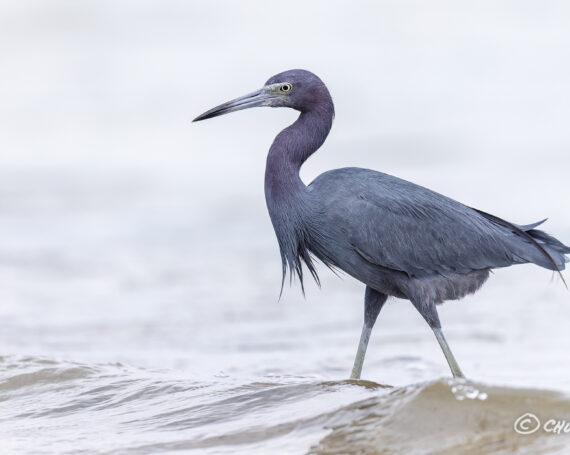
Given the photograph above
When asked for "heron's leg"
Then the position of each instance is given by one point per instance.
(453, 365)
(429, 313)
(373, 302)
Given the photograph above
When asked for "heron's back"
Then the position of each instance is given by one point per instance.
(417, 233)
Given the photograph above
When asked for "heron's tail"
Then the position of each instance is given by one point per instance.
(537, 247)
(554, 247)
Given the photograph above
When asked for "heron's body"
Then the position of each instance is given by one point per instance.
(398, 238)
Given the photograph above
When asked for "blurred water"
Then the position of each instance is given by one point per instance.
(277, 415)
(140, 276)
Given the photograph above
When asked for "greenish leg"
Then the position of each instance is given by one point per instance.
(453, 365)
(373, 302)
(361, 352)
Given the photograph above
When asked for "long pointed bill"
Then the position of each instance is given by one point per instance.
(258, 98)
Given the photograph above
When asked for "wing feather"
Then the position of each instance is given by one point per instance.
(402, 226)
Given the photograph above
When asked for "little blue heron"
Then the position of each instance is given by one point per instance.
(396, 237)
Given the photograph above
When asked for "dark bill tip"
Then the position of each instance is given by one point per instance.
(204, 116)
(254, 99)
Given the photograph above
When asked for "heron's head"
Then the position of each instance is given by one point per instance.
(297, 89)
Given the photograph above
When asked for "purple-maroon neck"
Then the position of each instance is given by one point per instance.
(288, 200)
(291, 148)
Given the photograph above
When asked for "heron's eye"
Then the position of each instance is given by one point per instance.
(286, 87)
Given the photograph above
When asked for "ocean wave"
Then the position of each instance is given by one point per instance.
(66, 407)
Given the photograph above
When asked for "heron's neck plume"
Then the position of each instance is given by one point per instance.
(288, 199)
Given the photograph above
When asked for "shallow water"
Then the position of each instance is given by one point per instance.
(139, 272)
(68, 407)
(117, 337)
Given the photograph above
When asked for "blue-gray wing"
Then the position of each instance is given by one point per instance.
(402, 226)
